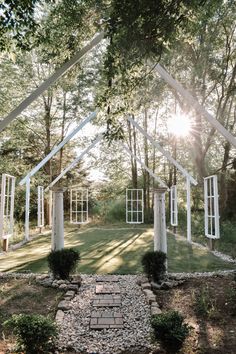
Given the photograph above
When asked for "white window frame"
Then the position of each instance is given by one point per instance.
(173, 206)
(211, 207)
(78, 211)
(40, 206)
(132, 206)
(7, 206)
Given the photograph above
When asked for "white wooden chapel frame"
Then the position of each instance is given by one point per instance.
(161, 71)
(211, 207)
(173, 206)
(7, 206)
(134, 206)
(78, 205)
(40, 206)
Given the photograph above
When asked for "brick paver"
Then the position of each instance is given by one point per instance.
(107, 301)
(107, 279)
(107, 289)
(101, 320)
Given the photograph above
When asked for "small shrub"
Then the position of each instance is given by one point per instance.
(63, 262)
(34, 333)
(170, 329)
(204, 303)
(153, 263)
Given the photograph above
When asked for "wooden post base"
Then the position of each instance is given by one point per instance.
(211, 244)
(5, 244)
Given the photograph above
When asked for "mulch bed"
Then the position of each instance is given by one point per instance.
(209, 306)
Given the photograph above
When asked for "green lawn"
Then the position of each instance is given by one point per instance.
(112, 249)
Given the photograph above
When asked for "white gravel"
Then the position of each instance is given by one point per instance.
(133, 338)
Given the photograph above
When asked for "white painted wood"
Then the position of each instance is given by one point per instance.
(57, 242)
(50, 204)
(134, 206)
(163, 151)
(58, 147)
(188, 188)
(194, 103)
(211, 207)
(158, 179)
(51, 80)
(75, 162)
(27, 208)
(40, 207)
(78, 206)
(173, 206)
(7, 207)
(160, 238)
(157, 233)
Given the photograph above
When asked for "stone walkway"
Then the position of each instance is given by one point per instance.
(109, 315)
(105, 297)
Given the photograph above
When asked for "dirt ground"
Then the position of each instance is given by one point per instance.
(209, 307)
(24, 296)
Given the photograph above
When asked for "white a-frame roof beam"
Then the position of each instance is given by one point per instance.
(158, 179)
(50, 81)
(194, 103)
(58, 147)
(163, 151)
(75, 162)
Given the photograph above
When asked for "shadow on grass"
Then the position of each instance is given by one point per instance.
(112, 251)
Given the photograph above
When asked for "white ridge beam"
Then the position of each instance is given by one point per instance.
(58, 147)
(195, 104)
(75, 162)
(158, 179)
(164, 152)
(50, 81)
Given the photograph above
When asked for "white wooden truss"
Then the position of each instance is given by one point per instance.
(173, 206)
(7, 206)
(134, 206)
(40, 206)
(157, 178)
(75, 162)
(51, 80)
(78, 206)
(211, 207)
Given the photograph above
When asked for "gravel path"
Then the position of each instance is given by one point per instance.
(76, 335)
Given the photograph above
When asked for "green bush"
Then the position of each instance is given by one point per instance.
(63, 262)
(170, 329)
(153, 263)
(34, 333)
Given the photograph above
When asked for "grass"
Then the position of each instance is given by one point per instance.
(112, 249)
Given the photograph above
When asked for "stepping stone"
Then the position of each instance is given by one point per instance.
(101, 320)
(107, 279)
(107, 289)
(107, 301)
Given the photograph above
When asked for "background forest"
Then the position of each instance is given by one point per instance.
(193, 40)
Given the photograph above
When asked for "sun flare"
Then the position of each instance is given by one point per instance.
(179, 125)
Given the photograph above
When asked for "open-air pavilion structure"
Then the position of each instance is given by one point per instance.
(159, 209)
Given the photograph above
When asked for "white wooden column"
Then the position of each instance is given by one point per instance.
(188, 187)
(160, 239)
(58, 219)
(50, 208)
(27, 208)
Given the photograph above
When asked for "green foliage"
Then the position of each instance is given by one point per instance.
(231, 300)
(204, 303)
(170, 328)
(34, 333)
(17, 23)
(63, 262)
(153, 263)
